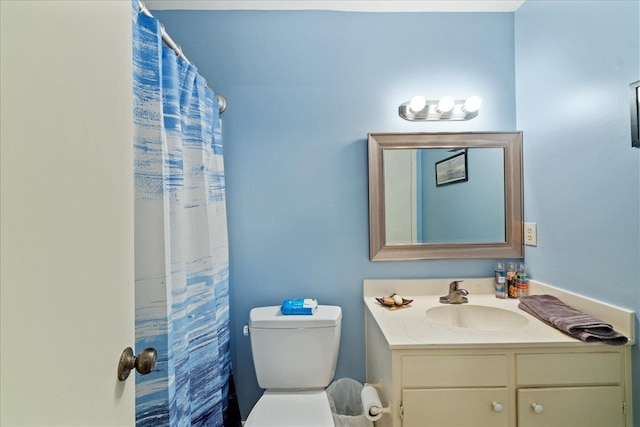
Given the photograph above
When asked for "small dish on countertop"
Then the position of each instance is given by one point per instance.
(389, 302)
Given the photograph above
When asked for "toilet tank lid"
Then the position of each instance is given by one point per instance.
(326, 316)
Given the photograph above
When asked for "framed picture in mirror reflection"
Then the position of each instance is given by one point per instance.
(452, 169)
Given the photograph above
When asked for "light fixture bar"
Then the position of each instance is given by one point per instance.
(432, 109)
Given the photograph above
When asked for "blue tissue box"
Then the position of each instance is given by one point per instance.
(299, 306)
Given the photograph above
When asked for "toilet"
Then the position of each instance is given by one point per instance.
(295, 360)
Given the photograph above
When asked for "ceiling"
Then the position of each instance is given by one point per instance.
(342, 5)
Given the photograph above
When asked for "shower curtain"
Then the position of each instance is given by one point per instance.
(181, 248)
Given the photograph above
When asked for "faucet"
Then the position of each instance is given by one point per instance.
(456, 295)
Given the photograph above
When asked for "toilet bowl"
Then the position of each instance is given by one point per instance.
(295, 359)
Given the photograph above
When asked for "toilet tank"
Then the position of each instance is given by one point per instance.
(295, 351)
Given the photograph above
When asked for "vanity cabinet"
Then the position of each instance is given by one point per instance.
(526, 386)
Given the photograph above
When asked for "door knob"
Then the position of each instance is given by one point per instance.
(144, 362)
(497, 407)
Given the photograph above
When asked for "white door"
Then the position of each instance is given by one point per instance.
(67, 266)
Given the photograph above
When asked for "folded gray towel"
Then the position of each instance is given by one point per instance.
(579, 325)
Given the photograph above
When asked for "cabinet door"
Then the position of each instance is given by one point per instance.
(571, 407)
(455, 407)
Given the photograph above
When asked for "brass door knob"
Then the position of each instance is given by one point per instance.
(144, 362)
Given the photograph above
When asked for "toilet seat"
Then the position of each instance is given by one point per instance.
(291, 409)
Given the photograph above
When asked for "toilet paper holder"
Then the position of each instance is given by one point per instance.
(373, 409)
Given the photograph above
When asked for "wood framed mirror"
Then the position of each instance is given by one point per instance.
(477, 214)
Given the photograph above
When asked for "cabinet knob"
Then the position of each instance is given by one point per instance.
(497, 407)
(537, 408)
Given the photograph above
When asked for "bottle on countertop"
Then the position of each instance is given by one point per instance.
(523, 281)
(500, 279)
(512, 281)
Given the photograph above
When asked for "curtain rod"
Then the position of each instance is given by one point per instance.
(166, 38)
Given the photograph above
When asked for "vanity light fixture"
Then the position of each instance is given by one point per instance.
(446, 108)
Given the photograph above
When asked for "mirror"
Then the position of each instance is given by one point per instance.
(445, 195)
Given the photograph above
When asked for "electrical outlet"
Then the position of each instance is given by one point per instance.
(530, 234)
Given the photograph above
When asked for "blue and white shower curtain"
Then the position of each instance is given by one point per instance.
(181, 245)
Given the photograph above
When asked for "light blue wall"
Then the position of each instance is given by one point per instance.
(304, 89)
(574, 62)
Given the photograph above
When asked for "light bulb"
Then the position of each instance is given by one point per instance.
(446, 104)
(472, 104)
(417, 103)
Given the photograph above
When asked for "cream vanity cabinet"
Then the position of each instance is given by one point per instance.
(577, 385)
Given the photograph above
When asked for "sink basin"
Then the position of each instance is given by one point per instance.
(480, 317)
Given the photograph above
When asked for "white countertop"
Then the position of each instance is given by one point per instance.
(410, 328)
